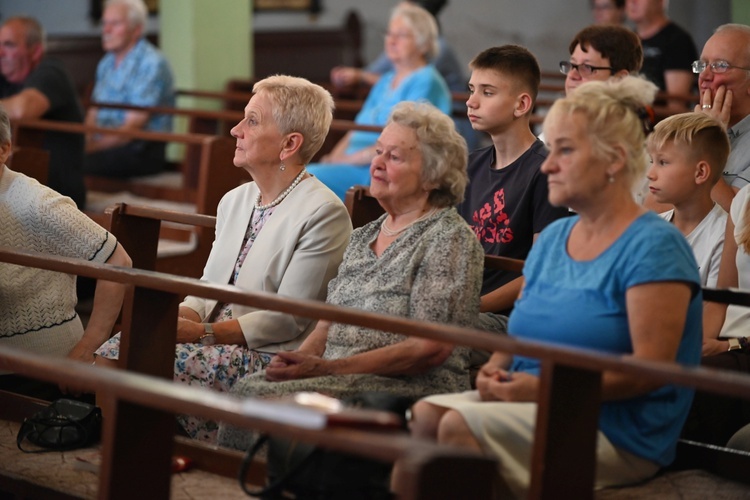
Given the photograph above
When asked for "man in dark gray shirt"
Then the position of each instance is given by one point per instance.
(34, 86)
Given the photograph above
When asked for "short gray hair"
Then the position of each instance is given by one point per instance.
(423, 27)
(741, 29)
(444, 152)
(299, 106)
(33, 30)
(137, 11)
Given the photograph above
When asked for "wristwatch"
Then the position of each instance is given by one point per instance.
(734, 344)
(208, 338)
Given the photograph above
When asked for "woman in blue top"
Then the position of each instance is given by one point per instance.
(411, 43)
(614, 278)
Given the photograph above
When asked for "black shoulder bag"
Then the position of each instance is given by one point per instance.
(65, 424)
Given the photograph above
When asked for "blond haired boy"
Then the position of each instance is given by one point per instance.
(688, 152)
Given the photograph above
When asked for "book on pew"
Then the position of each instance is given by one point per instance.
(340, 414)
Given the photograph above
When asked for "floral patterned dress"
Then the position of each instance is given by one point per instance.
(431, 272)
(217, 367)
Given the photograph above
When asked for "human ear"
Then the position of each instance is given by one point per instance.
(524, 103)
(620, 74)
(702, 172)
(4, 152)
(619, 160)
(37, 52)
(291, 145)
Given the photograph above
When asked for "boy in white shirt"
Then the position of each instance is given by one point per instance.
(688, 152)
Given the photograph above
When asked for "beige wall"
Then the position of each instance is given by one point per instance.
(206, 46)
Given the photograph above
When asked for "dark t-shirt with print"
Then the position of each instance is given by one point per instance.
(506, 207)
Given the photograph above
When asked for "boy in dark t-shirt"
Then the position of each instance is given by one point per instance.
(506, 199)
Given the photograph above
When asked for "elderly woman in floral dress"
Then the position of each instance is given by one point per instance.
(420, 260)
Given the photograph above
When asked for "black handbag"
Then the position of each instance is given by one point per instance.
(65, 424)
(304, 471)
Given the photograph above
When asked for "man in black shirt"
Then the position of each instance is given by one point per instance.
(34, 86)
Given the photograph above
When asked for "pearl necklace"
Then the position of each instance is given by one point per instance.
(390, 232)
(283, 195)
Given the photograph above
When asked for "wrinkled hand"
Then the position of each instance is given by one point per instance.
(81, 352)
(499, 385)
(719, 106)
(293, 365)
(714, 346)
(188, 331)
(344, 76)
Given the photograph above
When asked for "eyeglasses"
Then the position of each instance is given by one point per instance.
(397, 34)
(583, 69)
(716, 66)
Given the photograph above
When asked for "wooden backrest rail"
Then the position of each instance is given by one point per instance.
(88, 129)
(204, 151)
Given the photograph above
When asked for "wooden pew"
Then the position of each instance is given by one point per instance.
(148, 348)
(362, 207)
(204, 187)
(201, 192)
(563, 454)
(138, 229)
(29, 161)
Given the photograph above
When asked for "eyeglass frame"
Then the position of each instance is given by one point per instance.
(713, 65)
(399, 35)
(577, 67)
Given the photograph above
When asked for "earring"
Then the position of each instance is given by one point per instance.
(282, 167)
(611, 178)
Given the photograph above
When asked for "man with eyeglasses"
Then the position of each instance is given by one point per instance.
(724, 80)
(668, 49)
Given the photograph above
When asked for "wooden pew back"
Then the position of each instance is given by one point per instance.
(215, 176)
(29, 161)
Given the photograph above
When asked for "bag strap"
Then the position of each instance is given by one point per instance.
(274, 489)
(27, 427)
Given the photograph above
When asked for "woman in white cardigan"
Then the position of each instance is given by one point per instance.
(283, 233)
